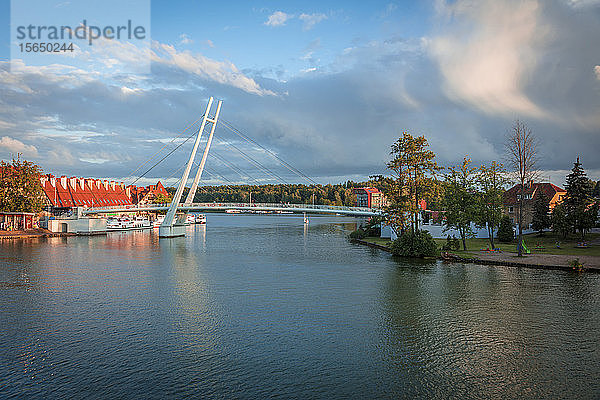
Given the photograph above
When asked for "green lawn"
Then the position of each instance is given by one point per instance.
(378, 240)
(547, 241)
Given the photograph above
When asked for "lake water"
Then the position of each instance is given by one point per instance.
(262, 306)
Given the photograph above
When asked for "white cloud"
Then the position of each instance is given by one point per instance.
(185, 39)
(582, 3)
(278, 18)
(310, 20)
(16, 146)
(223, 72)
(488, 52)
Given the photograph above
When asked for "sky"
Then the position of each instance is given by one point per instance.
(327, 86)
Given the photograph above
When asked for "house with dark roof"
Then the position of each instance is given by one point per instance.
(532, 191)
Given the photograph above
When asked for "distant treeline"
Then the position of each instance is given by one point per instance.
(339, 194)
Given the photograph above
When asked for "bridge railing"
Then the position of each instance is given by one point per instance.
(215, 205)
(283, 205)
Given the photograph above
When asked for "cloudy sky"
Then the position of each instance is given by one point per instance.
(327, 86)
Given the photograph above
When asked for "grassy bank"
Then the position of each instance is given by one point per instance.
(545, 244)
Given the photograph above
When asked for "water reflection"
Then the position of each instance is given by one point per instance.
(265, 306)
(485, 332)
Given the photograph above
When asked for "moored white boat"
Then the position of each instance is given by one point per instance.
(159, 220)
(126, 223)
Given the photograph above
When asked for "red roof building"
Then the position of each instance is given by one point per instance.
(148, 194)
(531, 193)
(369, 197)
(66, 192)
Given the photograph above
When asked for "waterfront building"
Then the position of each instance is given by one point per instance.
(532, 191)
(17, 221)
(66, 193)
(146, 195)
(369, 197)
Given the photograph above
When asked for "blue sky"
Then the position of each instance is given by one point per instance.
(326, 85)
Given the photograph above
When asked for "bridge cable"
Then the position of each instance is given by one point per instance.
(162, 148)
(232, 166)
(248, 139)
(162, 159)
(277, 178)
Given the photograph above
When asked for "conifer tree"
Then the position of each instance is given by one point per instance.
(541, 214)
(578, 200)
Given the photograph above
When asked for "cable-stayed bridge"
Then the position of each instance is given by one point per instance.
(272, 207)
(173, 223)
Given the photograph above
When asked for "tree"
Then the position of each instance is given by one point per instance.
(541, 214)
(460, 199)
(597, 190)
(416, 245)
(506, 233)
(161, 198)
(560, 222)
(579, 199)
(521, 148)
(20, 188)
(414, 171)
(491, 181)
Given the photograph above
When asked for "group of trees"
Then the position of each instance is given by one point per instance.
(473, 196)
(466, 194)
(20, 189)
(338, 195)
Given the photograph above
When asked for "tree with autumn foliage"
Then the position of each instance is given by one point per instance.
(460, 199)
(491, 180)
(414, 172)
(20, 188)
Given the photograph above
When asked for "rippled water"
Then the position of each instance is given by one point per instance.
(261, 306)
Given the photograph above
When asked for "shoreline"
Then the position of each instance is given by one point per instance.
(33, 233)
(503, 262)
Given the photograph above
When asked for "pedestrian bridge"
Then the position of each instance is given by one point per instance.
(223, 207)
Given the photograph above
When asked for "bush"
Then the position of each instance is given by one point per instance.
(416, 245)
(358, 234)
(451, 244)
(506, 233)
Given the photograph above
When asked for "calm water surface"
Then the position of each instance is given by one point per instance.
(261, 306)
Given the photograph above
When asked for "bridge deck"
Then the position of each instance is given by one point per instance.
(296, 208)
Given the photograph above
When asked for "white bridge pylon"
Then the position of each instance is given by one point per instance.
(171, 227)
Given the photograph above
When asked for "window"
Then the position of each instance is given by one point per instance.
(511, 209)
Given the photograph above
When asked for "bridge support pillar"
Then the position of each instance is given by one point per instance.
(171, 231)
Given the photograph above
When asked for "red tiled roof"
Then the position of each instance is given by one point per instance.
(139, 193)
(80, 192)
(510, 196)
